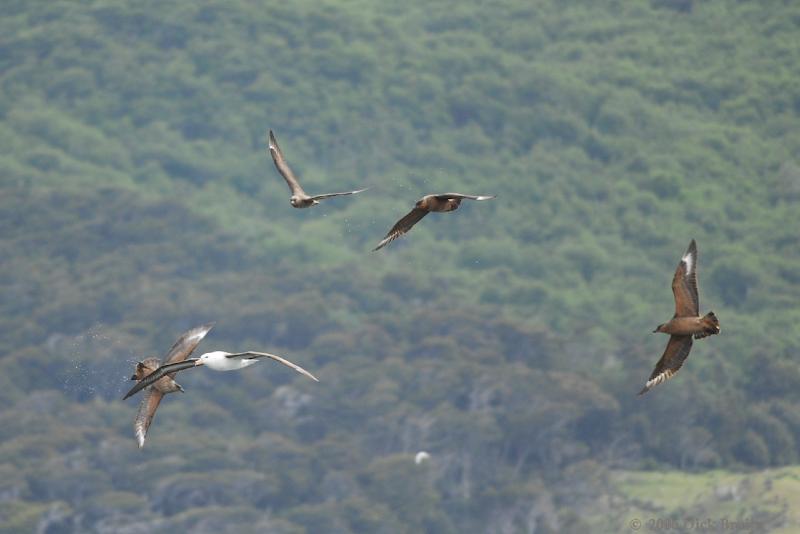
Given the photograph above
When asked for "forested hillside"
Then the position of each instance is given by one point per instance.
(508, 339)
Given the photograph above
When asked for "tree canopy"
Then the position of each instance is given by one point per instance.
(509, 339)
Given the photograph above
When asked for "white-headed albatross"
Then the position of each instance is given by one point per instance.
(218, 361)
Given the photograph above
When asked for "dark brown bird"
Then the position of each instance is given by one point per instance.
(181, 350)
(424, 206)
(686, 322)
(299, 199)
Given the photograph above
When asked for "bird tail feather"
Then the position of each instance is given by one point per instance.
(710, 326)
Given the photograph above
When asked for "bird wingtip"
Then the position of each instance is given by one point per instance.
(385, 241)
(306, 373)
(133, 391)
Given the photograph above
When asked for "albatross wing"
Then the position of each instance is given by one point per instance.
(159, 373)
(255, 355)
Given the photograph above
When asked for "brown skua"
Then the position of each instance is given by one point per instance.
(685, 324)
(427, 204)
(299, 198)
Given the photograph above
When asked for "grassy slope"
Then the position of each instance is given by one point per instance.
(766, 498)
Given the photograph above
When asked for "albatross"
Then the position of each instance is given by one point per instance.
(425, 205)
(685, 324)
(217, 361)
(299, 198)
(180, 350)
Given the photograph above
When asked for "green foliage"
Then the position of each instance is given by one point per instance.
(137, 199)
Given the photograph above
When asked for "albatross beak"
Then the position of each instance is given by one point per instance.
(198, 362)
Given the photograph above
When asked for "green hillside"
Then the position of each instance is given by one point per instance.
(509, 339)
(712, 501)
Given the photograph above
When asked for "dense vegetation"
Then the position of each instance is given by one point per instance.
(508, 339)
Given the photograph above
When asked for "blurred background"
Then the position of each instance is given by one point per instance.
(508, 340)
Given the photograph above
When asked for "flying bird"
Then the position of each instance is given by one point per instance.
(181, 350)
(299, 199)
(685, 324)
(424, 206)
(218, 361)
